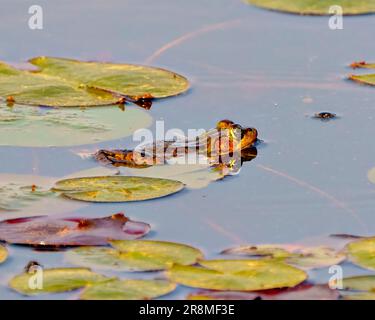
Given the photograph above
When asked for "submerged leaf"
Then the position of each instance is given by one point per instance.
(54, 280)
(139, 255)
(362, 253)
(3, 254)
(117, 188)
(303, 257)
(46, 231)
(313, 7)
(134, 81)
(127, 290)
(45, 127)
(237, 275)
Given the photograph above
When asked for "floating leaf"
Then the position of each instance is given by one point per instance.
(359, 283)
(122, 79)
(3, 254)
(300, 292)
(127, 290)
(24, 87)
(139, 255)
(54, 280)
(371, 175)
(117, 188)
(364, 78)
(42, 127)
(362, 253)
(71, 83)
(359, 296)
(303, 257)
(237, 275)
(321, 7)
(46, 231)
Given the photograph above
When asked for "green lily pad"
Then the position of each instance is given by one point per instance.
(237, 275)
(3, 254)
(360, 283)
(134, 81)
(71, 83)
(299, 256)
(362, 253)
(24, 87)
(313, 7)
(127, 290)
(368, 79)
(55, 280)
(359, 296)
(27, 126)
(140, 255)
(117, 188)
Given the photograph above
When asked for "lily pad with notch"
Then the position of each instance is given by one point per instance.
(136, 255)
(66, 232)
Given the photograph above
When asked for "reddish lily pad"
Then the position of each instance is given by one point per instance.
(46, 231)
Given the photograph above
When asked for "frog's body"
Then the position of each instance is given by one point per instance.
(226, 139)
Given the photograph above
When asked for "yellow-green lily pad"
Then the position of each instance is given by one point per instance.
(54, 280)
(27, 126)
(134, 81)
(314, 7)
(359, 283)
(362, 253)
(127, 290)
(139, 255)
(117, 188)
(24, 87)
(71, 83)
(237, 275)
(3, 254)
(299, 256)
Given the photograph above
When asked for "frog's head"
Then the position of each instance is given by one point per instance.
(248, 137)
(225, 124)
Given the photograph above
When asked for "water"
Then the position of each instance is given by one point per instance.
(264, 69)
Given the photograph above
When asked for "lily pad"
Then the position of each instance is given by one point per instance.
(302, 257)
(312, 7)
(300, 292)
(237, 275)
(55, 280)
(139, 255)
(127, 290)
(3, 254)
(27, 126)
(24, 87)
(360, 283)
(134, 81)
(72, 83)
(359, 296)
(362, 253)
(368, 79)
(117, 188)
(46, 231)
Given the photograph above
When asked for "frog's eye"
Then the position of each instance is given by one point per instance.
(224, 124)
(250, 132)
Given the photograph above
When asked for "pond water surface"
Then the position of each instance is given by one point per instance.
(264, 69)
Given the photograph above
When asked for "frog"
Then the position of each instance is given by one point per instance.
(224, 140)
